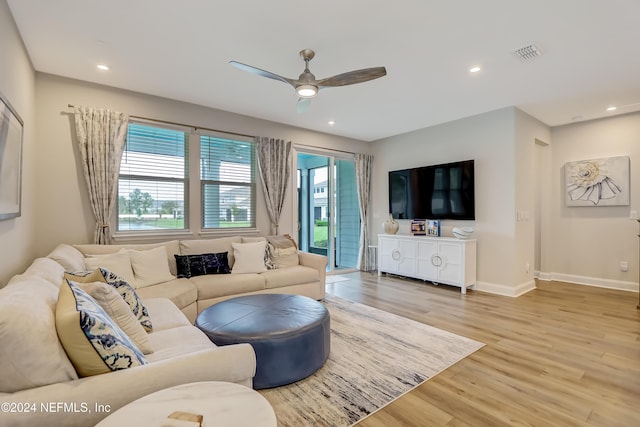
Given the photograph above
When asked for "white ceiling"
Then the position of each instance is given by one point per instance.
(181, 50)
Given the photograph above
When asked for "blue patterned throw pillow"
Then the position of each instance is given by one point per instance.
(92, 340)
(199, 265)
(126, 291)
(130, 296)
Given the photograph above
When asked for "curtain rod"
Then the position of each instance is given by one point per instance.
(224, 131)
(324, 148)
(184, 124)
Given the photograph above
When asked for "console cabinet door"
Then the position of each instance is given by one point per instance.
(451, 269)
(397, 256)
(428, 262)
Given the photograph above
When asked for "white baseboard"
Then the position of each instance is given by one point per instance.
(506, 290)
(589, 281)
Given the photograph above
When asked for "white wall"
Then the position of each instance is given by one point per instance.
(487, 138)
(529, 133)
(64, 214)
(586, 244)
(17, 85)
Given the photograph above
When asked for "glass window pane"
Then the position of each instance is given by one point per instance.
(227, 173)
(153, 172)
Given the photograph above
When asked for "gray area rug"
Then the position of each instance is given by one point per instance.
(375, 357)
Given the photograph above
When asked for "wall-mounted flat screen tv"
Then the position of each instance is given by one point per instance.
(444, 191)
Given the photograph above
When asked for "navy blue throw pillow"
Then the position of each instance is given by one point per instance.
(199, 265)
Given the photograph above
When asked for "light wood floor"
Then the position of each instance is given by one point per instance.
(561, 355)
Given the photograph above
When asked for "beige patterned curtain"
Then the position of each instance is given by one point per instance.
(274, 164)
(364, 165)
(101, 136)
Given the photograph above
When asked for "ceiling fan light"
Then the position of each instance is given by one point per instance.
(307, 91)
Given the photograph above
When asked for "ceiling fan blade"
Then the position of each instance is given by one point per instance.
(303, 104)
(260, 72)
(353, 77)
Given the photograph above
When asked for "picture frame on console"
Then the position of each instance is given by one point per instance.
(418, 227)
(433, 228)
(11, 133)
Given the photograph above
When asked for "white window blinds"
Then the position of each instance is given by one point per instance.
(228, 181)
(153, 179)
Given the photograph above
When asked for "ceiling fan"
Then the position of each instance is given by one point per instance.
(307, 86)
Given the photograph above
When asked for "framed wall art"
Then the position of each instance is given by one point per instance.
(597, 182)
(11, 130)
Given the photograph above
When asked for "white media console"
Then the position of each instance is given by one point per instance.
(437, 259)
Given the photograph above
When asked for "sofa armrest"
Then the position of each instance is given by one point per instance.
(316, 261)
(91, 399)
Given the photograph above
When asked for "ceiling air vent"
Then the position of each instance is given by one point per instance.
(528, 52)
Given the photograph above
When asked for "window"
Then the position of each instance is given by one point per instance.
(153, 179)
(227, 179)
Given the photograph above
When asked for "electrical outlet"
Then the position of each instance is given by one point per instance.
(527, 268)
(633, 215)
(624, 266)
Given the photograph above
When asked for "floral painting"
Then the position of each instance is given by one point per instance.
(597, 182)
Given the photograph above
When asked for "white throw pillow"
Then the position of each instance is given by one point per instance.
(118, 263)
(150, 267)
(68, 257)
(30, 351)
(284, 257)
(249, 257)
(48, 269)
(112, 303)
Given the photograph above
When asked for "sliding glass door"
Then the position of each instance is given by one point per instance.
(328, 210)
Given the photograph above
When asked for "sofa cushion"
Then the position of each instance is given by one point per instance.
(113, 304)
(165, 314)
(181, 292)
(178, 341)
(172, 246)
(205, 246)
(30, 351)
(118, 263)
(94, 342)
(289, 276)
(150, 266)
(249, 257)
(200, 265)
(126, 291)
(215, 286)
(68, 257)
(48, 269)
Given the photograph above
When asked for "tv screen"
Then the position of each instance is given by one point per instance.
(444, 191)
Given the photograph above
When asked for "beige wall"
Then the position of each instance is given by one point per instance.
(586, 244)
(64, 214)
(489, 139)
(17, 85)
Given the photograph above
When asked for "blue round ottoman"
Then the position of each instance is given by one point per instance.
(289, 333)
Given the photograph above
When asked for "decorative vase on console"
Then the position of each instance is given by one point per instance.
(390, 226)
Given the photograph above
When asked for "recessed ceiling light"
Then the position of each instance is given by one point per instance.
(332, 122)
(474, 69)
(612, 108)
(102, 67)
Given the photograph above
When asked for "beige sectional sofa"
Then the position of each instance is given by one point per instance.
(197, 293)
(38, 382)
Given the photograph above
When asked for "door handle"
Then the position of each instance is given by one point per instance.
(436, 260)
